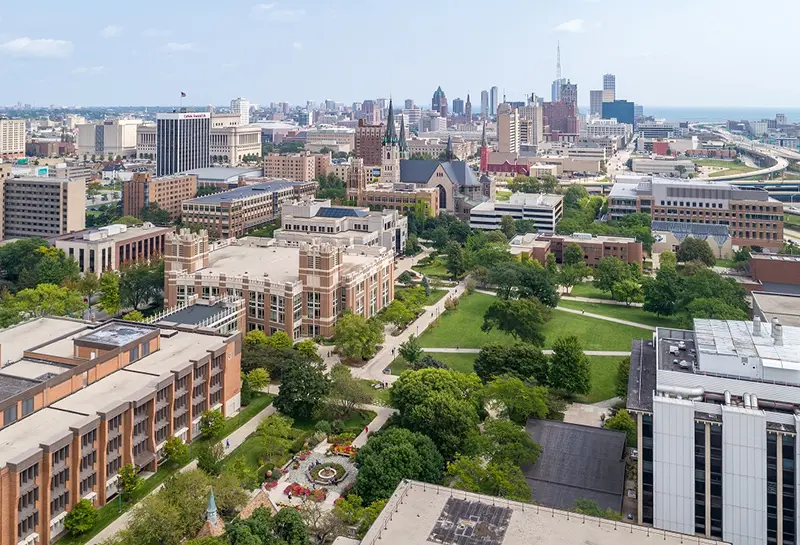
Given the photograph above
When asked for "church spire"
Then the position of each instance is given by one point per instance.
(211, 510)
(449, 149)
(390, 136)
(402, 142)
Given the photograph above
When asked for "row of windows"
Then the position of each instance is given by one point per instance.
(28, 499)
(60, 479)
(27, 526)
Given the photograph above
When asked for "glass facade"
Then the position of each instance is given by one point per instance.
(700, 478)
(789, 487)
(716, 481)
(647, 468)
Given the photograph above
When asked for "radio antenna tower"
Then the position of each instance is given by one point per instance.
(558, 61)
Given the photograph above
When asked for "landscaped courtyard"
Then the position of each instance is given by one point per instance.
(621, 312)
(462, 328)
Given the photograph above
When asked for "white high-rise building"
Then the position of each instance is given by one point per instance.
(241, 107)
(507, 129)
(484, 103)
(116, 137)
(182, 141)
(12, 138)
(494, 100)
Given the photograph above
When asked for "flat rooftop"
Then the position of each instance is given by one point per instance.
(244, 192)
(42, 427)
(786, 308)
(434, 514)
(117, 334)
(642, 376)
(107, 393)
(176, 352)
(222, 174)
(193, 314)
(17, 339)
(564, 472)
(34, 370)
(116, 235)
(736, 338)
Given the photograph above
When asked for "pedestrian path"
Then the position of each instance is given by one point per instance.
(230, 443)
(599, 301)
(548, 352)
(606, 318)
(382, 414)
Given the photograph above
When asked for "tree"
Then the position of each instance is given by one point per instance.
(153, 213)
(623, 371)
(133, 316)
(410, 350)
(505, 441)
(304, 386)
(428, 361)
(275, 432)
(109, 292)
(609, 271)
(593, 509)
(521, 360)
(573, 254)
(441, 403)
(696, 249)
(520, 318)
(288, 525)
(454, 263)
(209, 458)
(661, 296)
(280, 339)
(154, 521)
(81, 519)
(623, 421)
(128, 481)
(307, 348)
(573, 274)
(501, 479)
(256, 337)
(627, 291)
(49, 299)
(508, 227)
(569, 367)
(357, 337)
(347, 392)
(89, 285)
(405, 278)
(177, 451)
(350, 510)
(668, 259)
(258, 379)
(322, 524)
(392, 455)
(714, 309)
(140, 282)
(212, 423)
(397, 313)
(513, 399)
(573, 196)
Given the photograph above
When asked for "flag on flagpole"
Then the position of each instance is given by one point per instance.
(183, 95)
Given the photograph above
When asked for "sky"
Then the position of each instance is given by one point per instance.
(678, 53)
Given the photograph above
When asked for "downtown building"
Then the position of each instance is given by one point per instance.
(111, 137)
(168, 192)
(182, 142)
(78, 401)
(41, 207)
(752, 216)
(718, 411)
(12, 138)
(301, 289)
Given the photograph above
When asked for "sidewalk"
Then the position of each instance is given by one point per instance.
(548, 352)
(600, 301)
(606, 318)
(236, 439)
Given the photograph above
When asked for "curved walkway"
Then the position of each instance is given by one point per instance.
(599, 301)
(478, 350)
(606, 318)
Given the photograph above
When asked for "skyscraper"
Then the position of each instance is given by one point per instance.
(484, 103)
(596, 102)
(468, 109)
(409, 103)
(569, 92)
(555, 88)
(182, 141)
(494, 100)
(610, 84)
(458, 106)
(439, 102)
(241, 107)
(507, 129)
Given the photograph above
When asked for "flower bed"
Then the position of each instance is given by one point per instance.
(344, 450)
(341, 439)
(327, 473)
(296, 490)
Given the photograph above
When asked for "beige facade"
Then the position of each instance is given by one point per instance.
(146, 141)
(301, 167)
(168, 192)
(301, 290)
(5, 174)
(230, 144)
(12, 138)
(109, 137)
(43, 207)
(462, 149)
(508, 136)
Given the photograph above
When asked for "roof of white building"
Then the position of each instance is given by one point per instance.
(736, 338)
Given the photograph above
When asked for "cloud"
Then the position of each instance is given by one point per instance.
(111, 31)
(271, 12)
(575, 25)
(178, 47)
(42, 48)
(88, 69)
(297, 45)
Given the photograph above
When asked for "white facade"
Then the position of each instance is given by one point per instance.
(759, 127)
(532, 133)
(231, 144)
(109, 137)
(146, 141)
(12, 138)
(596, 128)
(494, 100)
(241, 107)
(544, 210)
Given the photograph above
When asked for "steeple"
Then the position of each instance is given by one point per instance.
(448, 152)
(211, 510)
(403, 144)
(390, 136)
(483, 136)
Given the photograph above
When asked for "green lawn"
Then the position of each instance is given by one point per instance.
(792, 219)
(631, 314)
(604, 377)
(435, 296)
(503, 195)
(462, 328)
(729, 166)
(587, 290)
(727, 263)
(110, 511)
(353, 424)
(435, 269)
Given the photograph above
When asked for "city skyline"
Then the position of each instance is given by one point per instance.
(92, 57)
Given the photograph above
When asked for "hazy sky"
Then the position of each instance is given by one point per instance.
(677, 53)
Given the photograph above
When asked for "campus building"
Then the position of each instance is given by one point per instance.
(718, 413)
(300, 167)
(168, 192)
(79, 401)
(43, 207)
(544, 210)
(752, 216)
(107, 248)
(301, 289)
(232, 213)
(595, 248)
(317, 220)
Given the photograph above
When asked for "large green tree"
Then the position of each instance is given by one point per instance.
(502, 479)
(348, 392)
(609, 271)
(304, 386)
(455, 263)
(505, 441)
(569, 367)
(140, 283)
(661, 295)
(520, 318)
(357, 337)
(109, 292)
(573, 254)
(516, 400)
(696, 249)
(391, 456)
(522, 360)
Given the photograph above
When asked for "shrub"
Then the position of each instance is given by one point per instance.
(337, 426)
(81, 519)
(212, 423)
(323, 426)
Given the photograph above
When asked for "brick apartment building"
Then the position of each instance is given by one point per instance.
(79, 401)
(369, 140)
(168, 192)
(752, 216)
(300, 167)
(595, 248)
(231, 214)
(107, 248)
(300, 289)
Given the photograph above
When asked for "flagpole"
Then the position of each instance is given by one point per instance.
(181, 102)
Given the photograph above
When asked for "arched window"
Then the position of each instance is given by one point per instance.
(388, 155)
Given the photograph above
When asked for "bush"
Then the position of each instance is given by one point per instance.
(323, 426)
(212, 424)
(176, 451)
(337, 426)
(81, 519)
(209, 459)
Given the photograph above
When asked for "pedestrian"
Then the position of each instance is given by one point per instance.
(583, 311)
(457, 347)
(227, 443)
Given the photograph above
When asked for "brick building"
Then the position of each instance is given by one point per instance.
(300, 167)
(168, 192)
(561, 117)
(595, 248)
(775, 269)
(300, 289)
(79, 401)
(369, 139)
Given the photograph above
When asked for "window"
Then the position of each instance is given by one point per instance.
(314, 304)
(27, 406)
(277, 309)
(10, 415)
(297, 308)
(134, 354)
